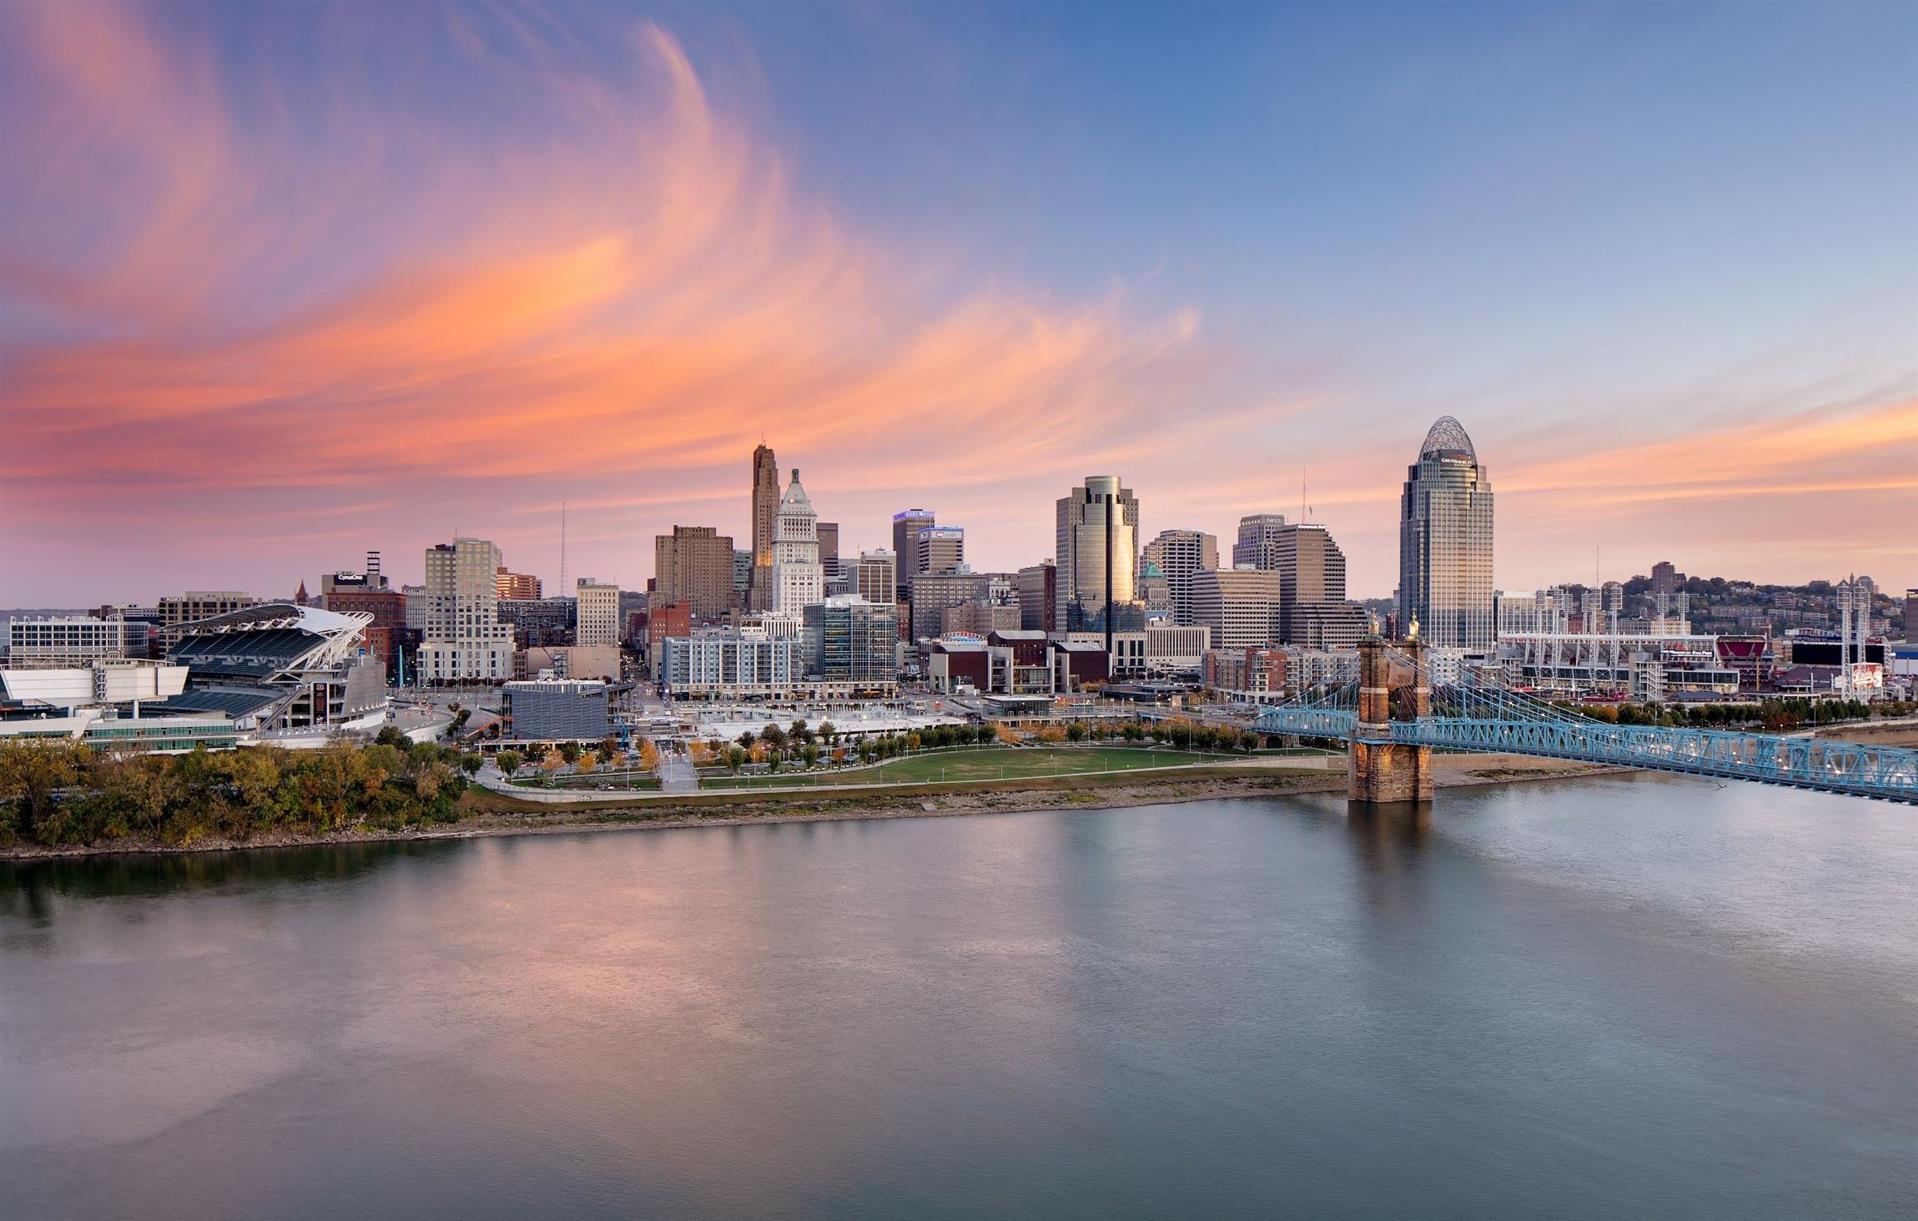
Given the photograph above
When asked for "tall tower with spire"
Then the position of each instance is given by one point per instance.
(765, 509)
(798, 578)
(1445, 543)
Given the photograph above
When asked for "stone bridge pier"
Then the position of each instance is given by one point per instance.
(1380, 771)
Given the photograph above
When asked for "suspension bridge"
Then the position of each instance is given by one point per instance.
(1392, 716)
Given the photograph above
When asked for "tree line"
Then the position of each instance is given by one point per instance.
(66, 793)
(1770, 714)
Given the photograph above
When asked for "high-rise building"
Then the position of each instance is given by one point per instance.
(694, 565)
(1312, 568)
(1098, 556)
(1911, 616)
(1258, 543)
(850, 640)
(464, 640)
(1039, 597)
(742, 576)
(598, 613)
(1445, 543)
(940, 549)
(1324, 626)
(905, 545)
(798, 579)
(516, 585)
(1155, 592)
(1240, 605)
(876, 577)
(1179, 554)
(828, 532)
(1667, 581)
(933, 592)
(765, 509)
(979, 618)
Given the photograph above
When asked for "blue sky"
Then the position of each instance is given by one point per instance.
(1660, 259)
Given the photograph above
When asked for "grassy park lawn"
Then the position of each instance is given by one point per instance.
(988, 764)
(623, 779)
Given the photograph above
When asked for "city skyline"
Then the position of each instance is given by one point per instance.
(592, 259)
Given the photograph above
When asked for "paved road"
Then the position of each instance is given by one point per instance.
(675, 772)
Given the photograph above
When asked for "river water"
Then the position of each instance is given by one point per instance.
(1611, 998)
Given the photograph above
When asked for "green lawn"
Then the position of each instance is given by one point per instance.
(624, 779)
(986, 764)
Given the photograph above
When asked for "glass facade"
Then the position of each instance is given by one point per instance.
(1098, 557)
(848, 640)
(1445, 543)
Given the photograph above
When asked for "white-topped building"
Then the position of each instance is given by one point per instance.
(799, 580)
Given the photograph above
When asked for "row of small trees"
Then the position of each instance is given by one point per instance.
(554, 757)
(1770, 714)
(1181, 732)
(774, 746)
(66, 793)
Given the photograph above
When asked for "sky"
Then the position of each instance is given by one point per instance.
(280, 284)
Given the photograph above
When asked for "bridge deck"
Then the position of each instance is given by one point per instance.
(1826, 765)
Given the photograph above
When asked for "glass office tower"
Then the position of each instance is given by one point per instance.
(1445, 543)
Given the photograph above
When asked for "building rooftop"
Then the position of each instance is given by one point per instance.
(1447, 438)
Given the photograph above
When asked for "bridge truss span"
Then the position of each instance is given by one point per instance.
(1890, 773)
(1479, 717)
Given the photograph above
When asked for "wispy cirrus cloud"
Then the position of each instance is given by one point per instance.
(632, 298)
(374, 280)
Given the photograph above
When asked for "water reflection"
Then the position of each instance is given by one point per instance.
(27, 888)
(1212, 1009)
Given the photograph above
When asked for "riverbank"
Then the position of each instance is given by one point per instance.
(492, 814)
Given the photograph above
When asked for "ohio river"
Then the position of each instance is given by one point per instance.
(1611, 998)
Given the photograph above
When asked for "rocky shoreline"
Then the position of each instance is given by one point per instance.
(733, 809)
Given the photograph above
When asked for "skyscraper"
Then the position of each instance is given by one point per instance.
(1666, 582)
(876, 577)
(828, 532)
(1038, 596)
(1258, 542)
(905, 545)
(1098, 537)
(942, 549)
(693, 566)
(798, 580)
(1445, 542)
(464, 639)
(1179, 554)
(1312, 571)
(765, 508)
(1240, 605)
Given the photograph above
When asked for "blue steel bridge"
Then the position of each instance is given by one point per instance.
(1470, 716)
